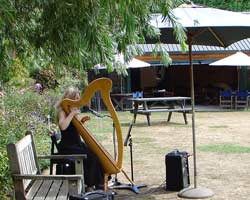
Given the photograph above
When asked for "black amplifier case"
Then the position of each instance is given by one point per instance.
(177, 172)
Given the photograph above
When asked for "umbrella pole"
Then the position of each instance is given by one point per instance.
(195, 192)
(193, 111)
(238, 74)
(121, 84)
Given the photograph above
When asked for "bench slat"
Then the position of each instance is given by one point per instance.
(75, 177)
(55, 188)
(164, 110)
(148, 112)
(63, 191)
(23, 143)
(33, 190)
(43, 190)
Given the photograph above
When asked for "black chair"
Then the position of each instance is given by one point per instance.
(63, 165)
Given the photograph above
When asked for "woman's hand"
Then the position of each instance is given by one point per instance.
(74, 111)
(85, 118)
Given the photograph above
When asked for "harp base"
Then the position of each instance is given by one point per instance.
(118, 185)
(133, 188)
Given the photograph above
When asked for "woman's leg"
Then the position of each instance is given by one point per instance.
(95, 175)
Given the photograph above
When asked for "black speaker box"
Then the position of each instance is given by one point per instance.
(177, 172)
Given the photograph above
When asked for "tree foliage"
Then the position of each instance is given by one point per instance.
(79, 33)
(233, 5)
(83, 33)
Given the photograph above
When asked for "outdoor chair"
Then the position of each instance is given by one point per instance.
(137, 94)
(241, 99)
(226, 99)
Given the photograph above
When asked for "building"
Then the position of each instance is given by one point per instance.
(175, 78)
(208, 80)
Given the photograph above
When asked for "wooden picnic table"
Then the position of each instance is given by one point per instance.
(120, 99)
(160, 104)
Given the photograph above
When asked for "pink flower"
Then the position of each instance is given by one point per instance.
(38, 87)
(21, 91)
(1, 94)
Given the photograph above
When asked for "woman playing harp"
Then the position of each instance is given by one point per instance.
(109, 164)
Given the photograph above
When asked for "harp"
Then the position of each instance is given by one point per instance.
(110, 166)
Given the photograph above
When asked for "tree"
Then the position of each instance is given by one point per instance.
(82, 33)
(239, 5)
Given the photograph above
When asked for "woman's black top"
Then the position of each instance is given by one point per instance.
(70, 137)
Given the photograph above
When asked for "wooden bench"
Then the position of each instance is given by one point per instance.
(148, 112)
(28, 181)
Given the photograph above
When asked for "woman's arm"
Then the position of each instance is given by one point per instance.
(64, 120)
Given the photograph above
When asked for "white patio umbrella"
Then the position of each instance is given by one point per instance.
(239, 59)
(204, 26)
(133, 63)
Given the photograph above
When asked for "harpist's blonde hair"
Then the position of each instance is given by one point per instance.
(70, 93)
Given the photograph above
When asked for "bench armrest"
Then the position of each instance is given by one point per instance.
(47, 177)
(78, 160)
(76, 156)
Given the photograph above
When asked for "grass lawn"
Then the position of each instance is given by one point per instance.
(223, 151)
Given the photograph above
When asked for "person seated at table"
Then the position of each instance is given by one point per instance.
(71, 142)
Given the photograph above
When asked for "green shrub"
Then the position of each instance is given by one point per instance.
(74, 78)
(46, 77)
(18, 75)
(5, 179)
(22, 111)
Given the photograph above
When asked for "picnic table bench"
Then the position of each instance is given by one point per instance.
(28, 181)
(168, 104)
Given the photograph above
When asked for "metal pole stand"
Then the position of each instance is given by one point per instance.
(115, 181)
(116, 184)
(195, 192)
